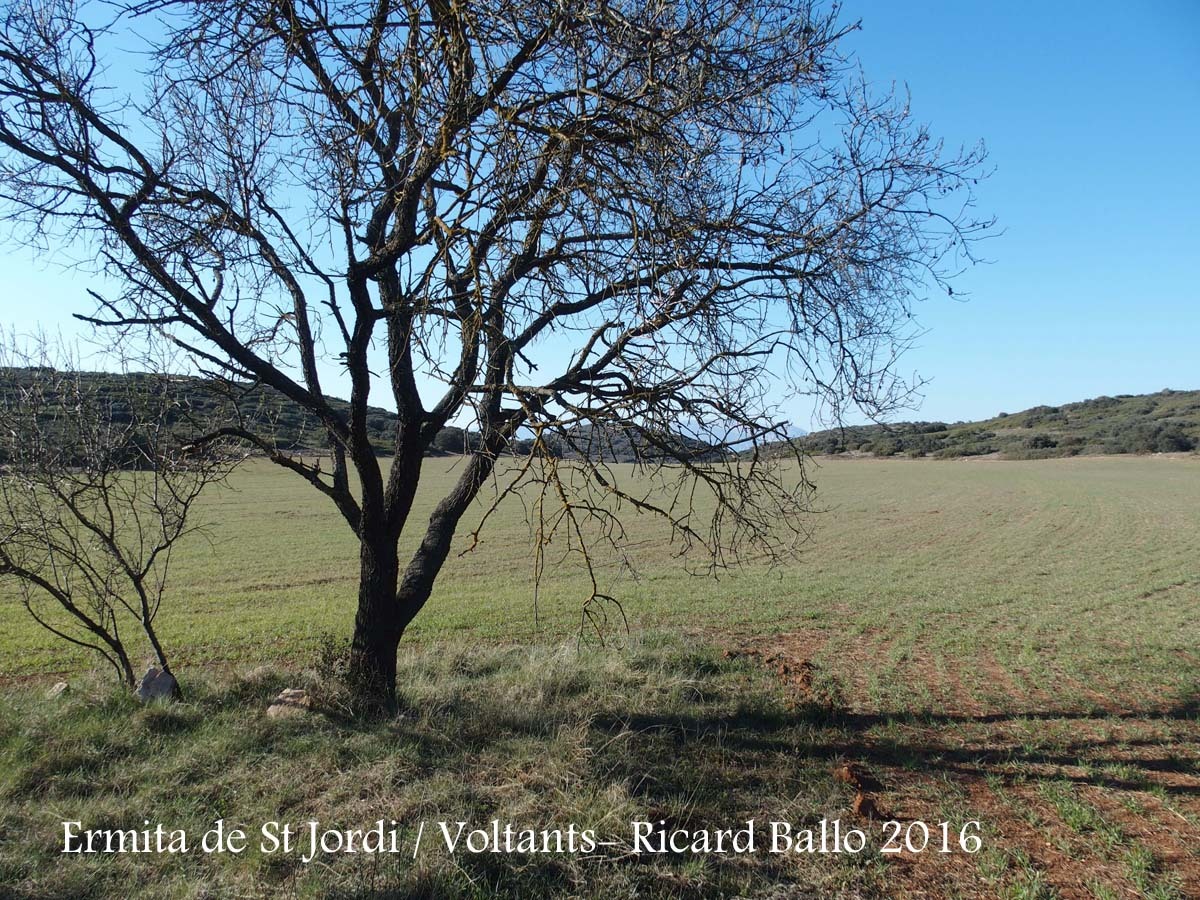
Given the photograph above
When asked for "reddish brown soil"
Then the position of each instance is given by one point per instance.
(1138, 766)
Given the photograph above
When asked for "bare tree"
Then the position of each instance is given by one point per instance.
(564, 220)
(96, 490)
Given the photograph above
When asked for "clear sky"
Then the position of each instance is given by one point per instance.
(1091, 115)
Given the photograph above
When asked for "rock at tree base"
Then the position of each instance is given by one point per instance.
(290, 702)
(57, 690)
(157, 685)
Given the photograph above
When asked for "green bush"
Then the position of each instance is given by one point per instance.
(1039, 442)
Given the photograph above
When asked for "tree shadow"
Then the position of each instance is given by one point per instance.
(932, 743)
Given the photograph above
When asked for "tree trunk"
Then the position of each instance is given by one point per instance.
(161, 655)
(123, 666)
(377, 626)
(387, 603)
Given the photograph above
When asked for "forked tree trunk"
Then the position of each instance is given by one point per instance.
(123, 666)
(378, 625)
(387, 602)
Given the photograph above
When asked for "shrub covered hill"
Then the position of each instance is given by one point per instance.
(1166, 422)
(203, 404)
(199, 405)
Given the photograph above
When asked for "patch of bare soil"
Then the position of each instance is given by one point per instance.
(1137, 769)
(1166, 833)
(998, 778)
(944, 681)
(1002, 683)
(789, 656)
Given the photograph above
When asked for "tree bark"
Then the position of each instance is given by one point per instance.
(123, 666)
(378, 625)
(159, 653)
(386, 602)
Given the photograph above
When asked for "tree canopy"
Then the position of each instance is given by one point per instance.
(535, 218)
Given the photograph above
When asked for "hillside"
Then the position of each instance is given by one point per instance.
(205, 404)
(1166, 422)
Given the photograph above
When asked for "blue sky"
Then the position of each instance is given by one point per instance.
(1091, 115)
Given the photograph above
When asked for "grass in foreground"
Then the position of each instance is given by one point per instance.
(540, 739)
(1003, 641)
(546, 737)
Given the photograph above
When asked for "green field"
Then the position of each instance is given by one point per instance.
(1086, 569)
(1015, 642)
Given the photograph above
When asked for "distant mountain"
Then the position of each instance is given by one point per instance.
(204, 404)
(615, 444)
(1166, 422)
(266, 412)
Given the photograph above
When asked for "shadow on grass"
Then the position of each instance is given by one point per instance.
(539, 739)
(932, 743)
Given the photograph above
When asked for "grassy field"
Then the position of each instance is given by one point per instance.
(1013, 642)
